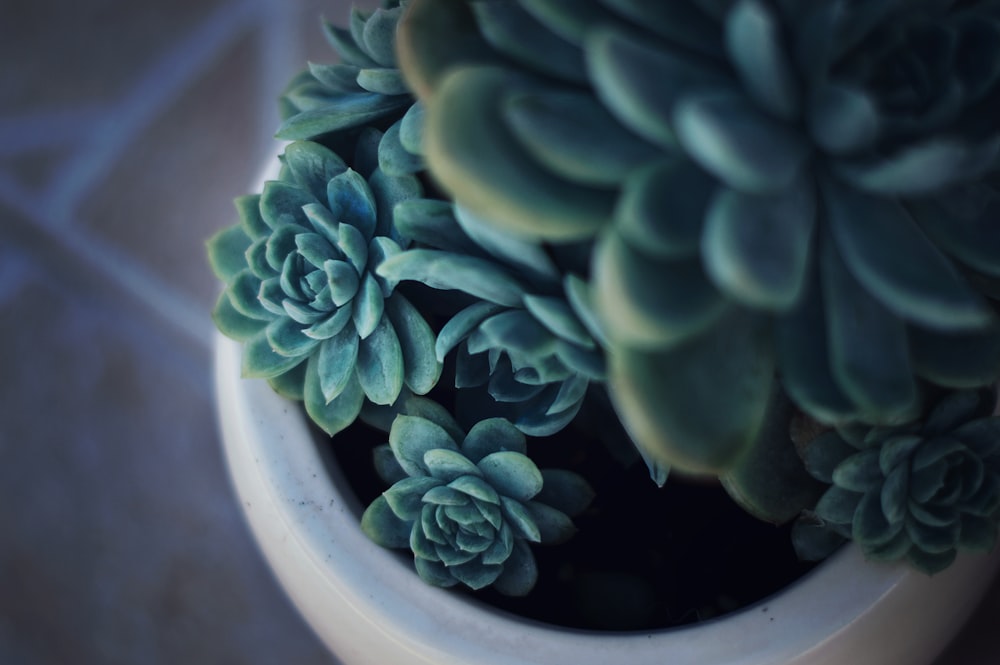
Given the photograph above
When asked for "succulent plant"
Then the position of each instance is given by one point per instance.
(921, 491)
(468, 505)
(302, 291)
(802, 190)
(363, 89)
(525, 335)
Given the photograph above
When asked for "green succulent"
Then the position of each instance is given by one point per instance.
(795, 189)
(525, 336)
(468, 505)
(363, 89)
(919, 492)
(302, 291)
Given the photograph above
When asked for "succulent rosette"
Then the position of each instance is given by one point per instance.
(469, 505)
(920, 492)
(805, 190)
(527, 334)
(302, 291)
(364, 88)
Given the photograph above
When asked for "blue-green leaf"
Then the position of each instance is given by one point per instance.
(232, 323)
(261, 361)
(744, 148)
(575, 136)
(226, 252)
(887, 253)
(647, 302)
(368, 306)
(337, 414)
(756, 248)
(421, 368)
(380, 524)
(493, 435)
(662, 207)
(754, 41)
(411, 437)
(698, 405)
(380, 364)
(443, 270)
(336, 362)
(478, 160)
(867, 347)
(512, 474)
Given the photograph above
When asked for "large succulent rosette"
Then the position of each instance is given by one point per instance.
(364, 88)
(302, 292)
(469, 504)
(527, 334)
(920, 492)
(805, 190)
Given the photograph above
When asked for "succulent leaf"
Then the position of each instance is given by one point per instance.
(469, 509)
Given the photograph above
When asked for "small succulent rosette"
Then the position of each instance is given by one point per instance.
(800, 189)
(302, 292)
(920, 492)
(529, 336)
(469, 505)
(364, 88)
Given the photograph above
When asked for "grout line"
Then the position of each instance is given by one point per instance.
(162, 83)
(174, 307)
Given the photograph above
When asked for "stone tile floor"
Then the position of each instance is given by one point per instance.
(125, 130)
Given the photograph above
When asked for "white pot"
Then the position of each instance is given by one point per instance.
(368, 605)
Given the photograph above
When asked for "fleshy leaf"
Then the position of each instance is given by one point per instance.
(649, 302)
(337, 414)
(448, 465)
(473, 156)
(261, 361)
(757, 248)
(336, 362)
(575, 136)
(885, 251)
(411, 437)
(421, 369)
(512, 474)
(754, 41)
(698, 405)
(520, 572)
(867, 346)
(662, 207)
(226, 252)
(380, 364)
(747, 150)
(443, 270)
(380, 524)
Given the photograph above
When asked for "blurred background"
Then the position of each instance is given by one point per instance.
(126, 128)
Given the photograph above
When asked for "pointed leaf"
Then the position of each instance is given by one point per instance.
(336, 363)
(380, 364)
(842, 120)
(492, 435)
(380, 524)
(411, 437)
(448, 465)
(520, 572)
(345, 110)
(442, 270)
(232, 323)
(406, 497)
(226, 252)
(337, 414)
(286, 338)
(261, 361)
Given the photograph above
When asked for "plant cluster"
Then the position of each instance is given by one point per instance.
(727, 216)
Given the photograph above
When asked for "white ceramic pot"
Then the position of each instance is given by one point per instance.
(368, 605)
